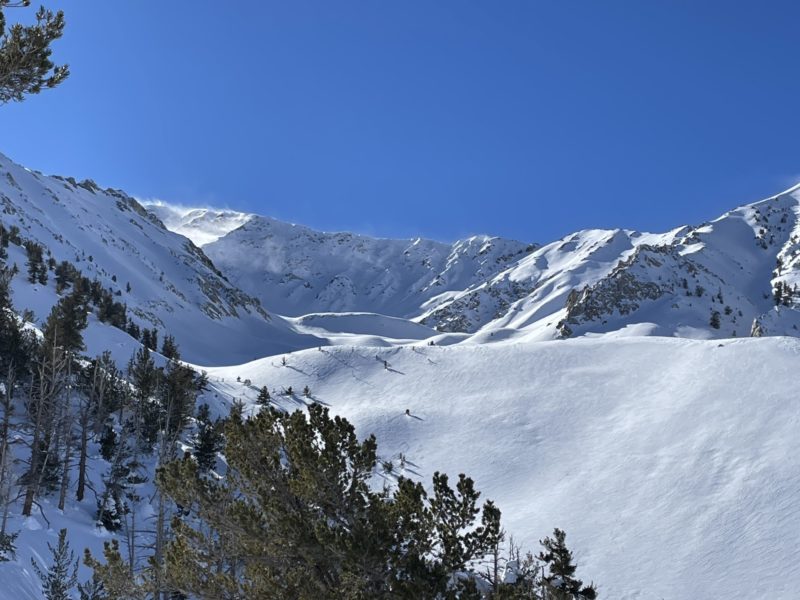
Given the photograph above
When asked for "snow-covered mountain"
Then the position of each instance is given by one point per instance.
(165, 280)
(714, 280)
(568, 390)
(295, 270)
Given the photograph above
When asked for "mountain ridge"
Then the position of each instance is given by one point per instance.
(590, 281)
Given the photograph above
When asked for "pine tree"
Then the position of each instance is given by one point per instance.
(46, 407)
(123, 475)
(37, 271)
(145, 377)
(133, 330)
(561, 570)
(66, 322)
(263, 397)
(177, 394)
(146, 342)
(62, 575)
(298, 490)
(169, 349)
(93, 589)
(100, 387)
(108, 443)
(65, 274)
(25, 65)
(714, 321)
(8, 546)
(16, 347)
(208, 440)
(115, 574)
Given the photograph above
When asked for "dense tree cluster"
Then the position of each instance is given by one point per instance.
(784, 294)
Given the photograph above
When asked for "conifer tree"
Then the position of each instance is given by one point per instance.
(8, 546)
(65, 274)
(66, 322)
(263, 397)
(298, 493)
(62, 575)
(100, 395)
(93, 589)
(49, 401)
(145, 377)
(169, 349)
(25, 65)
(115, 574)
(37, 271)
(177, 395)
(208, 440)
(561, 569)
(16, 351)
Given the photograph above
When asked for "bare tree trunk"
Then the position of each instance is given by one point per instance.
(5, 462)
(8, 408)
(65, 465)
(83, 449)
(49, 374)
(94, 399)
(5, 490)
(117, 460)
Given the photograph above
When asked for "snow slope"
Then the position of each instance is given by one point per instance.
(295, 270)
(666, 460)
(174, 287)
(664, 457)
(710, 281)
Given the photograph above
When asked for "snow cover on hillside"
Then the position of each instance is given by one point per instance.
(108, 236)
(711, 281)
(665, 460)
(296, 270)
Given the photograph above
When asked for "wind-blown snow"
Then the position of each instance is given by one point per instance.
(201, 225)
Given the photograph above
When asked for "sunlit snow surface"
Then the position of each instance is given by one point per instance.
(668, 460)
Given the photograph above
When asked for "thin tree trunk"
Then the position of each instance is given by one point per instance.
(5, 471)
(82, 463)
(62, 497)
(50, 371)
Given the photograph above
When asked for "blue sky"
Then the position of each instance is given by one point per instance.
(527, 119)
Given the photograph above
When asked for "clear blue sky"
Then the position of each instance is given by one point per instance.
(527, 119)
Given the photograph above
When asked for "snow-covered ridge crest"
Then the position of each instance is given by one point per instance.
(712, 280)
(296, 270)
